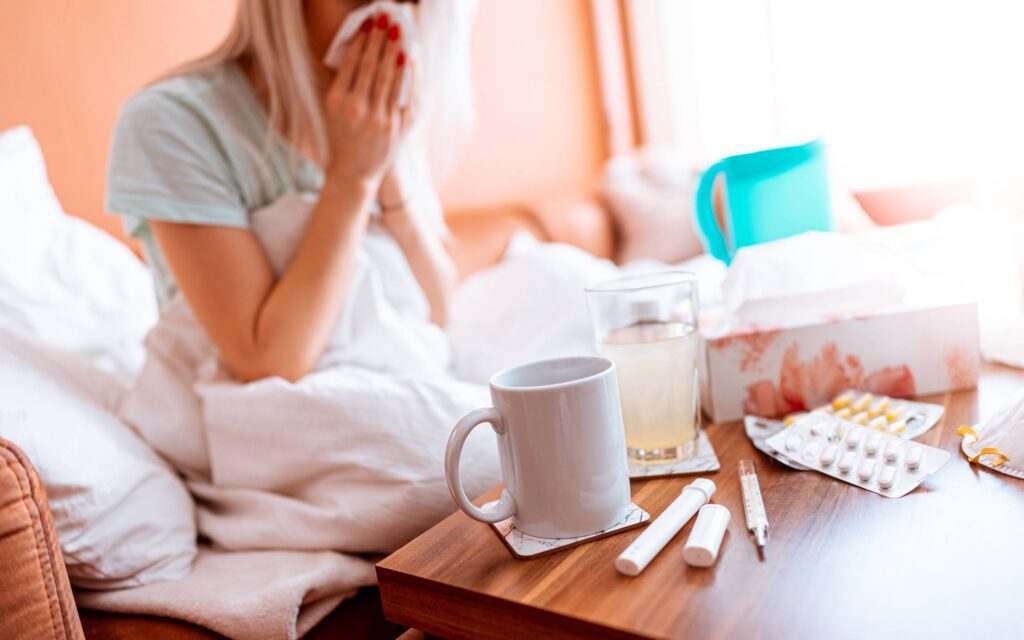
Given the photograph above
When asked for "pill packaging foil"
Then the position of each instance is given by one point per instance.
(867, 458)
(919, 417)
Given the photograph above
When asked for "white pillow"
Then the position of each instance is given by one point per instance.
(64, 282)
(122, 515)
(650, 195)
(25, 191)
(530, 306)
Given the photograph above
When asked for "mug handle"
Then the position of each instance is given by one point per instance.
(710, 232)
(506, 506)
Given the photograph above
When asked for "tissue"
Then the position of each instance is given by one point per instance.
(810, 316)
(810, 276)
(400, 14)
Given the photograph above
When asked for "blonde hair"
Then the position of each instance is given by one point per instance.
(271, 35)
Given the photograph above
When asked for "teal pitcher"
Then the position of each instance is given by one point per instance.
(769, 194)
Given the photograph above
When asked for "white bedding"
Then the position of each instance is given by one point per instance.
(348, 459)
(102, 481)
(63, 282)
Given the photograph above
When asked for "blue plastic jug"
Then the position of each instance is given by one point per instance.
(769, 194)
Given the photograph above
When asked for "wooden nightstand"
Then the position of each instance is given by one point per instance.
(943, 562)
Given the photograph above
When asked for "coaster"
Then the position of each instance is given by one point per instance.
(704, 461)
(524, 546)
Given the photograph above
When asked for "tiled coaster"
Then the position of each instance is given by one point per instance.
(524, 546)
(704, 461)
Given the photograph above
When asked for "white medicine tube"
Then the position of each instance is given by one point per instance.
(638, 555)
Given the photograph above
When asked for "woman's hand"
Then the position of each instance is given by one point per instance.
(408, 174)
(364, 120)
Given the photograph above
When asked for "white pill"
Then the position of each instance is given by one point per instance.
(835, 432)
(846, 462)
(886, 477)
(854, 437)
(866, 469)
(828, 456)
(816, 429)
(892, 450)
(811, 450)
(913, 457)
(793, 443)
(872, 444)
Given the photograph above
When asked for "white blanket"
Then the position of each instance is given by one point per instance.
(349, 458)
(257, 595)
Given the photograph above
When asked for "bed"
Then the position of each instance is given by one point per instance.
(75, 306)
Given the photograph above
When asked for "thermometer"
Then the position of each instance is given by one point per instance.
(753, 505)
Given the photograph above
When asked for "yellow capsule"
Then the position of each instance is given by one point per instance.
(895, 412)
(879, 407)
(862, 403)
(898, 427)
(861, 418)
(843, 400)
(844, 413)
(878, 422)
(790, 420)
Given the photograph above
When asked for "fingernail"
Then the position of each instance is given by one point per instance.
(401, 58)
(382, 21)
(393, 32)
(367, 25)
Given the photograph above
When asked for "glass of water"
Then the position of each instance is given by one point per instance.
(647, 326)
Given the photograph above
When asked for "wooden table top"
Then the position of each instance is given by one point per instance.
(945, 561)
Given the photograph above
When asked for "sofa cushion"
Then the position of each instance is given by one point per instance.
(35, 595)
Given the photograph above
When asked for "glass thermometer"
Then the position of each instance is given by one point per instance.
(753, 505)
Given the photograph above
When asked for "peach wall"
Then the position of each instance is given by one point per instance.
(538, 102)
(67, 65)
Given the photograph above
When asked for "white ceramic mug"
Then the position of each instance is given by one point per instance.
(561, 444)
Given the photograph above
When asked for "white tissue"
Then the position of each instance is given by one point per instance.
(809, 276)
(397, 13)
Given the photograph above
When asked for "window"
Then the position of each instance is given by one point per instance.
(903, 91)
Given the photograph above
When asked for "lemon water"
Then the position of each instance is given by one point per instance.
(656, 365)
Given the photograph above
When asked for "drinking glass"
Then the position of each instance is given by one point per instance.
(647, 325)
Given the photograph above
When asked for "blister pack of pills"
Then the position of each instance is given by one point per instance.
(904, 418)
(868, 458)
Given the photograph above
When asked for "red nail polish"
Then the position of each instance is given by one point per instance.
(382, 21)
(393, 32)
(401, 58)
(367, 25)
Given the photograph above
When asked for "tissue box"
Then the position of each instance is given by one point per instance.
(775, 370)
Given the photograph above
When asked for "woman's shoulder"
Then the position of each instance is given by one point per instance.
(194, 95)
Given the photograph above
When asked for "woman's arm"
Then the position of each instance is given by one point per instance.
(418, 227)
(265, 327)
(262, 327)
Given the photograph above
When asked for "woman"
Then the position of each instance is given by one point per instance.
(193, 157)
(302, 393)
